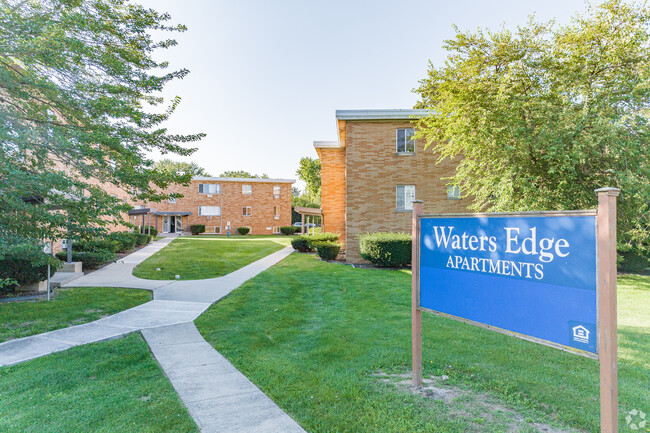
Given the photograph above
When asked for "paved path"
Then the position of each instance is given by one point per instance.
(218, 396)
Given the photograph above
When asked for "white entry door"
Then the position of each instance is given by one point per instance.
(179, 224)
(165, 224)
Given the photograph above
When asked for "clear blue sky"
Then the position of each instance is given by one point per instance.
(267, 76)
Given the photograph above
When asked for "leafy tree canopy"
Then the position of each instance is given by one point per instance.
(242, 173)
(309, 172)
(79, 100)
(173, 167)
(540, 117)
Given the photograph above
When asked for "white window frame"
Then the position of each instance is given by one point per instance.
(453, 192)
(249, 187)
(203, 211)
(276, 230)
(277, 191)
(247, 211)
(171, 200)
(405, 151)
(407, 197)
(210, 186)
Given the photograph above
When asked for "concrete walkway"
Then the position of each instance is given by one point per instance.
(218, 396)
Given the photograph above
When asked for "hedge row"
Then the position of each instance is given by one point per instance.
(386, 249)
(325, 244)
(24, 264)
(89, 260)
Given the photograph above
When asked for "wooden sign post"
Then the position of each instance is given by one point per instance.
(588, 286)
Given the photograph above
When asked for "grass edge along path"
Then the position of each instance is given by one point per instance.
(69, 307)
(197, 257)
(313, 336)
(114, 386)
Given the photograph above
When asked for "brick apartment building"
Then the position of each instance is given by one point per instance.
(370, 176)
(264, 205)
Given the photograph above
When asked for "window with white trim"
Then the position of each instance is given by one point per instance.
(247, 189)
(171, 200)
(209, 210)
(453, 193)
(209, 188)
(276, 230)
(405, 142)
(405, 196)
(276, 211)
(276, 191)
(247, 210)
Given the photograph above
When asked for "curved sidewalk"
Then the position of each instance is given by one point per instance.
(218, 396)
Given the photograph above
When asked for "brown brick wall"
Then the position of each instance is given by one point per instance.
(333, 190)
(232, 202)
(373, 172)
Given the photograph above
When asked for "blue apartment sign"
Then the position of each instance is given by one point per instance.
(529, 274)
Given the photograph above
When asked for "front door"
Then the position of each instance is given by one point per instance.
(166, 224)
(172, 224)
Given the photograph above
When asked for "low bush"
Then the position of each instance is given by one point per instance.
(153, 232)
(141, 239)
(301, 243)
(327, 250)
(634, 261)
(386, 249)
(288, 230)
(89, 260)
(126, 240)
(197, 229)
(96, 245)
(24, 264)
(243, 230)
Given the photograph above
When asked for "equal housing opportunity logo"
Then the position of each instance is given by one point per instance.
(581, 334)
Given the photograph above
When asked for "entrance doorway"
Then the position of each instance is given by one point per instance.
(172, 224)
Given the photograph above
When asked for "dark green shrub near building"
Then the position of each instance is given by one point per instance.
(96, 245)
(301, 243)
(141, 239)
(126, 240)
(633, 260)
(327, 250)
(197, 229)
(289, 230)
(243, 230)
(153, 231)
(89, 260)
(386, 249)
(24, 264)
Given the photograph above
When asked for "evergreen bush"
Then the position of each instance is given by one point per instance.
(386, 249)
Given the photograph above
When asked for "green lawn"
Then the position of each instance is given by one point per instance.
(113, 386)
(313, 335)
(199, 257)
(69, 307)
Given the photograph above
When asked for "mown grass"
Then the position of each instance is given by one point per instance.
(312, 335)
(199, 257)
(113, 386)
(68, 307)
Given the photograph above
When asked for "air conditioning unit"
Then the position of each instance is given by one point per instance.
(276, 217)
(209, 195)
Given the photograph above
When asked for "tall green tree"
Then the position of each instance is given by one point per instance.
(79, 100)
(309, 172)
(243, 174)
(540, 117)
(171, 167)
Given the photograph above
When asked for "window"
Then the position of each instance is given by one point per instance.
(247, 189)
(405, 143)
(247, 210)
(453, 193)
(209, 188)
(209, 210)
(276, 191)
(213, 230)
(276, 230)
(276, 212)
(171, 200)
(405, 197)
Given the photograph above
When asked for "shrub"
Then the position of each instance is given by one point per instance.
(197, 229)
(125, 239)
(89, 260)
(96, 245)
(24, 264)
(327, 250)
(288, 230)
(301, 243)
(323, 237)
(243, 230)
(633, 261)
(141, 239)
(154, 232)
(386, 249)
